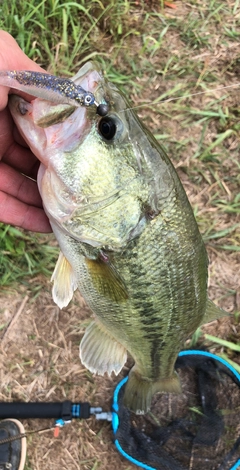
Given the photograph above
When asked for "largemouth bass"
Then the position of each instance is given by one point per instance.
(128, 237)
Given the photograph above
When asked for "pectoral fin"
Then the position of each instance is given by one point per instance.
(106, 280)
(100, 352)
(64, 282)
(213, 313)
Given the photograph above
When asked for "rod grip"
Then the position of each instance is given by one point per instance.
(41, 410)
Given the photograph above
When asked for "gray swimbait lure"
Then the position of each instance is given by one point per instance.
(50, 88)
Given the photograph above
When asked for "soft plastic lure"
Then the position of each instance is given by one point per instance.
(48, 87)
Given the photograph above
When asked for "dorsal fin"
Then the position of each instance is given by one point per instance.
(213, 313)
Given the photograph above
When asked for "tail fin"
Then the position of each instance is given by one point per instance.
(140, 390)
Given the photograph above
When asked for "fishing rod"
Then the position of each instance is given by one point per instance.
(163, 99)
(65, 410)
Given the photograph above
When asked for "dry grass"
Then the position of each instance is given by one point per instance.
(40, 362)
(39, 357)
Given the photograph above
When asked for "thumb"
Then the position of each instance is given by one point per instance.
(13, 58)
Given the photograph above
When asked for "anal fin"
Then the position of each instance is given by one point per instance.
(100, 352)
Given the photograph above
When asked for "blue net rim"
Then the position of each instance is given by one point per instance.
(115, 418)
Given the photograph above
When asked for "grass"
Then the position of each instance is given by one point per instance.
(24, 255)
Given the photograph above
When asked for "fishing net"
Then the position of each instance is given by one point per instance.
(196, 430)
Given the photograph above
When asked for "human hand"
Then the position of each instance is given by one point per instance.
(20, 201)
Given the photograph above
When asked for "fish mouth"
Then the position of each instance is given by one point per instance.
(89, 77)
(59, 126)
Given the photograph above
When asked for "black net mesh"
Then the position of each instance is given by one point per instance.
(198, 429)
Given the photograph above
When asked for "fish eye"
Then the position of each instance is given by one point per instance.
(107, 127)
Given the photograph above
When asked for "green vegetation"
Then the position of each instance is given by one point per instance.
(24, 255)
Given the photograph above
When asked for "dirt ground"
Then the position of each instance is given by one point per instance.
(40, 362)
(40, 343)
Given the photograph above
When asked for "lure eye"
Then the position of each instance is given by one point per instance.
(89, 99)
(107, 128)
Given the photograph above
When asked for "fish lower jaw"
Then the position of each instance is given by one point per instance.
(140, 390)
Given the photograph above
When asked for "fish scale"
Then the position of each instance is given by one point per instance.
(128, 237)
